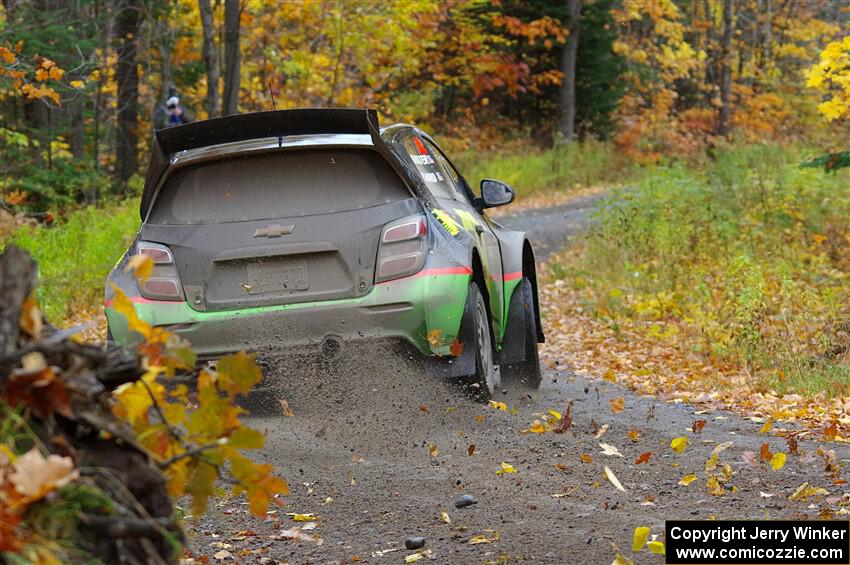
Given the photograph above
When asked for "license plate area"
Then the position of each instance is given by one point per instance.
(288, 275)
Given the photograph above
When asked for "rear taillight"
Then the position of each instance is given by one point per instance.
(403, 248)
(164, 283)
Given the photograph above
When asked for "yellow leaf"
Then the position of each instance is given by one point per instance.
(498, 405)
(444, 517)
(435, 337)
(309, 517)
(141, 266)
(536, 428)
(609, 474)
(679, 444)
(77, 84)
(622, 560)
(506, 468)
(767, 426)
(482, 538)
(687, 479)
(804, 491)
(777, 461)
(656, 547)
(640, 537)
(586, 458)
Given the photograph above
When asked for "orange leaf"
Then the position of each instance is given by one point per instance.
(456, 348)
(698, 426)
(764, 452)
(644, 458)
(617, 404)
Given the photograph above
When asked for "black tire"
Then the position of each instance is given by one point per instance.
(527, 372)
(485, 381)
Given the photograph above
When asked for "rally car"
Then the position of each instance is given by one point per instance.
(318, 228)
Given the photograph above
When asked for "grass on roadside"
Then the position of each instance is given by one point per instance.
(560, 169)
(746, 261)
(75, 255)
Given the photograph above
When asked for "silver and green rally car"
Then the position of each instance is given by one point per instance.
(318, 228)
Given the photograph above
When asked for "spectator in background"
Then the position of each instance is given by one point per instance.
(172, 114)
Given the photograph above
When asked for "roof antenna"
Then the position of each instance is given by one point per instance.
(274, 107)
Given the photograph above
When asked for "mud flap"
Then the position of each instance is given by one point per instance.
(514, 342)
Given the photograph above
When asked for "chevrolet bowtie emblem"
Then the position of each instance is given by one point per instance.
(274, 230)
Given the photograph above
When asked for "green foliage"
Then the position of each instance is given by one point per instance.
(830, 162)
(599, 86)
(559, 169)
(76, 254)
(749, 259)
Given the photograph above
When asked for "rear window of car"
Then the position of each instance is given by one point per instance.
(274, 185)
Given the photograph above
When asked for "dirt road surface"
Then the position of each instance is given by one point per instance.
(377, 454)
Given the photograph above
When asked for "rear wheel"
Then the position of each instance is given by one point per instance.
(528, 371)
(486, 379)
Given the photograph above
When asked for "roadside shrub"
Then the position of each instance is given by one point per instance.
(76, 253)
(561, 168)
(748, 259)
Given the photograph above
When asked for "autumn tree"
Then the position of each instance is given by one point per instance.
(568, 70)
(128, 18)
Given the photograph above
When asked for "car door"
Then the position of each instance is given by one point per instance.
(472, 221)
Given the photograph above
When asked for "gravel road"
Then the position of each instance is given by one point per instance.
(377, 454)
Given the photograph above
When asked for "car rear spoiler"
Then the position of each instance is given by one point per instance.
(243, 127)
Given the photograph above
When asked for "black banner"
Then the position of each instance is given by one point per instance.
(757, 542)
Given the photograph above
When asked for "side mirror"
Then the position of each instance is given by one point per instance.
(495, 193)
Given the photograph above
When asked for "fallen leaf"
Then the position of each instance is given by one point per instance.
(586, 458)
(721, 447)
(435, 337)
(679, 444)
(505, 468)
(471, 449)
(610, 450)
(456, 348)
(601, 431)
(830, 431)
(804, 491)
(622, 560)
(284, 407)
(414, 557)
(697, 426)
(634, 434)
(296, 534)
(777, 461)
(310, 517)
(617, 404)
(223, 554)
(609, 474)
(566, 421)
(714, 487)
(792, 445)
(643, 458)
(423, 408)
(656, 547)
(498, 405)
(749, 457)
(483, 538)
(639, 538)
(764, 452)
(444, 517)
(687, 479)
(536, 428)
(767, 426)
(766, 494)
(432, 450)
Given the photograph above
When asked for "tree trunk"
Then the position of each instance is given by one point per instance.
(232, 58)
(127, 22)
(210, 58)
(725, 114)
(567, 98)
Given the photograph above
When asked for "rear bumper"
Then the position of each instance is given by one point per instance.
(424, 309)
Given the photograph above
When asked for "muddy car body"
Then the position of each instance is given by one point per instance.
(317, 228)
